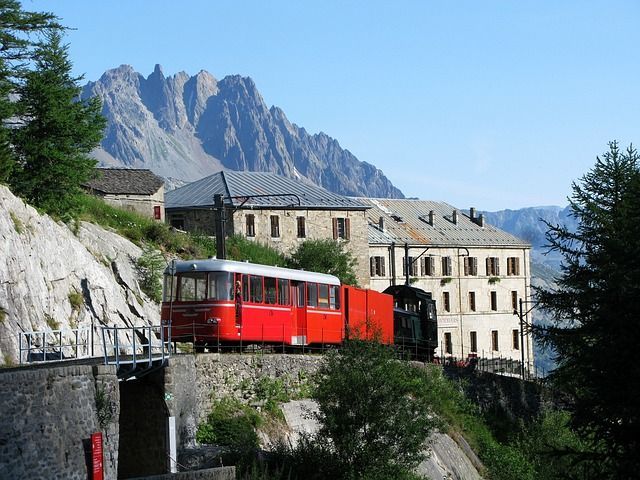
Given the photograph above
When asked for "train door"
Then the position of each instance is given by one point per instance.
(238, 298)
(299, 310)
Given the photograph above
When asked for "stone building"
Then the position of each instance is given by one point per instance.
(273, 210)
(131, 189)
(476, 273)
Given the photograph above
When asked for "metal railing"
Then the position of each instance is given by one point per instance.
(136, 350)
(54, 345)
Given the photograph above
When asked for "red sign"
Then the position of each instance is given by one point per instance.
(97, 469)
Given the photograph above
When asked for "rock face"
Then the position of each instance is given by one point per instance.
(189, 127)
(51, 278)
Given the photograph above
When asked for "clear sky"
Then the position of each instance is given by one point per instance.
(492, 104)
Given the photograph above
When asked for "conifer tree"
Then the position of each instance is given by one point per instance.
(17, 30)
(596, 311)
(61, 130)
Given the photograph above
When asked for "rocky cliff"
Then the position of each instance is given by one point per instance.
(52, 278)
(187, 127)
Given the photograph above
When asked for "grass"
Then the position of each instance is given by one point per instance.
(17, 223)
(3, 315)
(76, 300)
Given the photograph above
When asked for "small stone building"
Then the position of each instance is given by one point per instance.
(476, 273)
(273, 210)
(137, 190)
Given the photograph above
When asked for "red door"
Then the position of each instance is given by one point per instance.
(299, 323)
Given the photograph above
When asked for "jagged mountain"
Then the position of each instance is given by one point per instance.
(187, 127)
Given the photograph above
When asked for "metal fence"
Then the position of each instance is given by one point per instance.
(54, 345)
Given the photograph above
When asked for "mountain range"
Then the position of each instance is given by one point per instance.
(187, 127)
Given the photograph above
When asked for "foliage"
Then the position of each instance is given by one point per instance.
(150, 266)
(17, 223)
(595, 312)
(231, 424)
(325, 256)
(60, 131)
(76, 300)
(17, 34)
(239, 248)
(3, 315)
(105, 407)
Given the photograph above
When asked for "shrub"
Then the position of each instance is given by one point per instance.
(150, 266)
(231, 424)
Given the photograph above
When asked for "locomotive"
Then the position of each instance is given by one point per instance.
(218, 303)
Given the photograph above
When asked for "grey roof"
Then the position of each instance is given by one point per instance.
(407, 221)
(125, 181)
(234, 185)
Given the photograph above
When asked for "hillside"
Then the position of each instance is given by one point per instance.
(187, 127)
(53, 278)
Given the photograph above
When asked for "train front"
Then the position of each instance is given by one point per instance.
(198, 302)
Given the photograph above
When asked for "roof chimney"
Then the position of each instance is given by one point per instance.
(381, 224)
(480, 220)
(472, 213)
(432, 217)
(455, 217)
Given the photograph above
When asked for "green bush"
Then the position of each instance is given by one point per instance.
(150, 266)
(231, 424)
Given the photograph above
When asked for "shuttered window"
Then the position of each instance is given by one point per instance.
(341, 228)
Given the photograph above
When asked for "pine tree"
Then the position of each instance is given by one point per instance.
(61, 130)
(17, 28)
(596, 329)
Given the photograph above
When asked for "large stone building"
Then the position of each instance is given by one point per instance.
(272, 210)
(138, 190)
(476, 273)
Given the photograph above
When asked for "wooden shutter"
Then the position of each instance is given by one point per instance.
(335, 228)
(372, 266)
(497, 266)
(488, 263)
(466, 265)
(347, 229)
(382, 266)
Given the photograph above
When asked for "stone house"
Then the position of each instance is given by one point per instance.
(273, 210)
(137, 190)
(476, 273)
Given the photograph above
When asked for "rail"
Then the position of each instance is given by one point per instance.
(54, 345)
(136, 351)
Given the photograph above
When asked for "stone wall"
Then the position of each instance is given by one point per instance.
(48, 416)
(220, 473)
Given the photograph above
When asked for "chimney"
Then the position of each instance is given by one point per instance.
(381, 224)
(455, 216)
(480, 220)
(472, 213)
(432, 217)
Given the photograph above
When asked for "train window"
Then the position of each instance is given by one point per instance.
(312, 294)
(431, 311)
(221, 286)
(255, 294)
(323, 295)
(192, 286)
(283, 291)
(334, 297)
(300, 290)
(245, 288)
(170, 288)
(270, 290)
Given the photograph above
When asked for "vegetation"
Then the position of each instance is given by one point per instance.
(595, 312)
(58, 134)
(76, 300)
(17, 223)
(232, 424)
(239, 248)
(325, 256)
(151, 265)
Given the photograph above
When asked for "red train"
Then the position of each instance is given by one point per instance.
(215, 303)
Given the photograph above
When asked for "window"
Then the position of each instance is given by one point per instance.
(283, 291)
(255, 294)
(446, 266)
(494, 300)
(446, 301)
(427, 266)
(170, 288)
(376, 265)
(470, 266)
(270, 290)
(312, 294)
(192, 287)
(302, 231)
(323, 295)
(514, 300)
(250, 225)
(245, 288)
(275, 226)
(341, 228)
(413, 266)
(494, 340)
(334, 297)
(472, 301)
(448, 346)
(221, 286)
(516, 340)
(473, 341)
(513, 266)
(493, 266)
(157, 212)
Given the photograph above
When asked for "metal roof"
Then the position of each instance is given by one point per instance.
(125, 181)
(234, 185)
(407, 221)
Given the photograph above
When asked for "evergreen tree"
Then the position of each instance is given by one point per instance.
(325, 256)
(17, 27)
(596, 328)
(53, 146)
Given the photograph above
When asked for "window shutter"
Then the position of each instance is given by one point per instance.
(347, 229)
(382, 266)
(517, 260)
(488, 262)
(497, 266)
(335, 228)
(466, 266)
(475, 265)
(372, 266)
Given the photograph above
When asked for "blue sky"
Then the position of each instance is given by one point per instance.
(492, 104)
